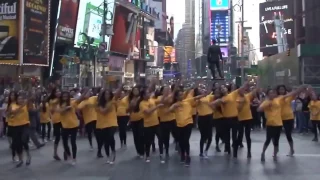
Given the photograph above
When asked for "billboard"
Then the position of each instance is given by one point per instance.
(90, 21)
(36, 32)
(67, 20)
(268, 37)
(9, 31)
(219, 4)
(120, 28)
(219, 27)
(167, 54)
(225, 52)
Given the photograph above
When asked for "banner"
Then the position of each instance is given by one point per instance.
(36, 33)
(67, 20)
(9, 31)
(219, 4)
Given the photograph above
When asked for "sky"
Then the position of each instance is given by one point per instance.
(176, 8)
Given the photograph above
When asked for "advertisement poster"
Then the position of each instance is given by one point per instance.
(90, 21)
(219, 29)
(67, 20)
(9, 31)
(219, 4)
(36, 32)
(268, 37)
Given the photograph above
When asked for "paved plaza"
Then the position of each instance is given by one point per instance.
(304, 166)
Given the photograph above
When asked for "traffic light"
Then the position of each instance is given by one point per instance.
(147, 54)
(288, 52)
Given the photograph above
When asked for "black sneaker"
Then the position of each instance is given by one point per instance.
(187, 162)
(218, 149)
(19, 164)
(315, 139)
(28, 162)
(99, 155)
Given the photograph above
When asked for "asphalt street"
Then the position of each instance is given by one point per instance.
(303, 166)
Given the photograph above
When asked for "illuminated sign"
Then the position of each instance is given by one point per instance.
(268, 37)
(219, 28)
(219, 4)
(146, 8)
(225, 52)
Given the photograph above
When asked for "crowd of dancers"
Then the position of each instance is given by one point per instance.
(151, 111)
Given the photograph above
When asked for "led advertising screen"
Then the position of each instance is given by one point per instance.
(219, 4)
(268, 36)
(219, 27)
(225, 52)
(90, 20)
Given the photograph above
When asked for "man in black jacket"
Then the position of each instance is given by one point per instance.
(214, 56)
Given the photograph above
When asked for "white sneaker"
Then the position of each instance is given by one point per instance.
(147, 160)
(205, 154)
(91, 148)
(108, 160)
(162, 161)
(73, 162)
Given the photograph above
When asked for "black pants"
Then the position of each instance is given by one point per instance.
(205, 126)
(195, 119)
(20, 138)
(231, 124)
(273, 133)
(288, 127)
(184, 134)
(137, 131)
(72, 133)
(44, 131)
(122, 123)
(5, 125)
(212, 66)
(105, 138)
(90, 128)
(149, 135)
(167, 128)
(57, 132)
(315, 125)
(245, 128)
(218, 124)
(256, 118)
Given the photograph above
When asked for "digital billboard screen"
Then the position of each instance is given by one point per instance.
(219, 27)
(268, 38)
(225, 52)
(219, 4)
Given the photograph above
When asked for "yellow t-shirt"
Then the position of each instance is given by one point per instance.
(55, 116)
(314, 107)
(122, 106)
(184, 112)
(69, 118)
(217, 114)
(203, 107)
(88, 109)
(109, 119)
(245, 110)
(163, 112)
(44, 116)
(21, 118)
(273, 113)
(286, 109)
(230, 107)
(149, 120)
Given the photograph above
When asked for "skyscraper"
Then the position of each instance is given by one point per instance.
(189, 32)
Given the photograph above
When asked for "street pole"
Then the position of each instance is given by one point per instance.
(242, 42)
(103, 34)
